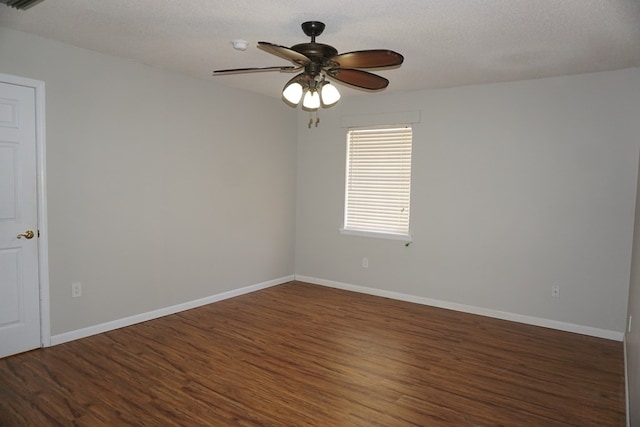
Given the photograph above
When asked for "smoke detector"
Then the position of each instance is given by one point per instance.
(239, 44)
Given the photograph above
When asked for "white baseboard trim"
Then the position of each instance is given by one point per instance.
(143, 317)
(536, 321)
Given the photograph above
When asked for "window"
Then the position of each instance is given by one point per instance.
(378, 182)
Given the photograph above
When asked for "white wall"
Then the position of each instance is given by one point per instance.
(161, 189)
(632, 337)
(516, 187)
(164, 189)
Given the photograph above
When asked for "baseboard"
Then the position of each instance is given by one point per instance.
(546, 323)
(143, 317)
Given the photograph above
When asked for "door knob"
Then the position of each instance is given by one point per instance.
(27, 235)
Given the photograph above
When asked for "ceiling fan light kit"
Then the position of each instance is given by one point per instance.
(310, 87)
(329, 94)
(311, 100)
(293, 93)
(319, 61)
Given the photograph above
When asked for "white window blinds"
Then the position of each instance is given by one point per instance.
(378, 182)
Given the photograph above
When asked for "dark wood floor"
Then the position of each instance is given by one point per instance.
(304, 355)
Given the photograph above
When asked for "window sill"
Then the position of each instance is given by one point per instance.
(388, 236)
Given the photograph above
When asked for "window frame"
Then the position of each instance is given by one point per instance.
(380, 233)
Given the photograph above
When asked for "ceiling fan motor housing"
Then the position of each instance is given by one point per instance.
(318, 53)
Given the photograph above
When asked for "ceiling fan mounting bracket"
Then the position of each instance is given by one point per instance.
(313, 29)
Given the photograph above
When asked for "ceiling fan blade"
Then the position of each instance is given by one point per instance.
(368, 59)
(254, 69)
(284, 52)
(360, 78)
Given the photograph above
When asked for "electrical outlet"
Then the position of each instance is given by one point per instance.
(365, 262)
(555, 291)
(76, 289)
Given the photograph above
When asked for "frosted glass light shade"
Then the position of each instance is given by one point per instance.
(293, 93)
(311, 100)
(330, 94)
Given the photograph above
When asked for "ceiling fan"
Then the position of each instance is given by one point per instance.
(319, 61)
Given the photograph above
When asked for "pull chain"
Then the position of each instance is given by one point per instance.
(311, 117)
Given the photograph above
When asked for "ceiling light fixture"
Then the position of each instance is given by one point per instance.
(329, 94)
(317, 61)
(316, 93)
(293, 93)
(311, 100)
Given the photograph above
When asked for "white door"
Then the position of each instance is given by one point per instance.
(19, 286)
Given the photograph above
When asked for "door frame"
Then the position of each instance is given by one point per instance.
(41, 181)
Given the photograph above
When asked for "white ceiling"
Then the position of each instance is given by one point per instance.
(445, 42)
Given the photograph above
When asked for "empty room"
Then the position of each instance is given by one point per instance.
(281, 213)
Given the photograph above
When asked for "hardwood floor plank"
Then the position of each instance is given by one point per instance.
(305, 355)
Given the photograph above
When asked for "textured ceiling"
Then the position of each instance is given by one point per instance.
(445, 42)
